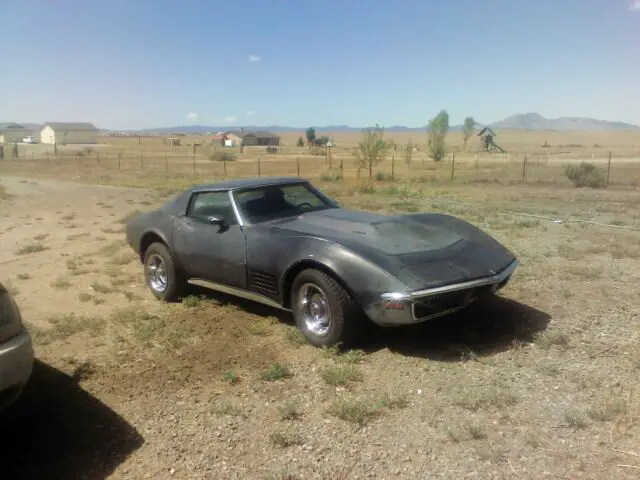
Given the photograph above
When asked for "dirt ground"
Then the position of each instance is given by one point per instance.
(540, 382)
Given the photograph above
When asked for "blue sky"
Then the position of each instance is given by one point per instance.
(142, 63)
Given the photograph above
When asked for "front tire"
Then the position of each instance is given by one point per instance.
(324, 311)
(161, 275)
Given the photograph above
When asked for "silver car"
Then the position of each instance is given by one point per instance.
(16, 350)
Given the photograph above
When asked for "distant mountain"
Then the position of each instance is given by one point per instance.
(525, 121)
(201, 129)
(535, 121)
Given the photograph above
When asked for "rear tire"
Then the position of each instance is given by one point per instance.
(324, 311)
(161, 275)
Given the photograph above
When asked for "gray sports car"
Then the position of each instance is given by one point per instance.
(282, 242)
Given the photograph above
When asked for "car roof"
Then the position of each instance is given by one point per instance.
(241, 183)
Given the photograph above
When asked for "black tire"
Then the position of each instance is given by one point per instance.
(347, 321)
(175, 284)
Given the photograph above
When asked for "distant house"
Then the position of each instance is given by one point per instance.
(13, 132)
(251, 138)
(65, 133)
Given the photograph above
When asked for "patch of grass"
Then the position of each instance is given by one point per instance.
(102, 288)
(276, 371)
(40, 237)
(353, 356)
(76, 236)
(129, 216)
(231, 377)
(64, 326)
(121, 259)
(148, 330)
(608, 410)
(85, 297)
(262, 327)
(225, 408)
(31, 248)
(194, 301)
(289, 410)
(476, 431)
(549, 338)
(294, 336)
(286, 438)
(23, 276)
(61, 283)
(112, 230)
(474, 399)
(358, 411)
(111, 249)
(575, 419)
(393, 402)
(340, 375)
(68, 217)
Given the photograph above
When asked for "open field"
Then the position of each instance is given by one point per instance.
(539, 383)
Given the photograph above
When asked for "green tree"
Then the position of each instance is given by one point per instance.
(467, 129)
(372, 148)
(311, 135)
(437, 133)
(300, 141)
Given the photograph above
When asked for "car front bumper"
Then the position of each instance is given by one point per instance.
(16, 365)
(407, 308)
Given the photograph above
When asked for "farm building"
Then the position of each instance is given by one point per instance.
(65, 133)
(12, 132)
(251, 139)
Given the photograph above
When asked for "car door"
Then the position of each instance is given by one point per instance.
(209, 241)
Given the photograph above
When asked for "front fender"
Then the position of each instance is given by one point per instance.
(364, 280)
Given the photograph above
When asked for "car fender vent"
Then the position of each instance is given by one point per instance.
(264, 282)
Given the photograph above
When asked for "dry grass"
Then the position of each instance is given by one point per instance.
(540, 383)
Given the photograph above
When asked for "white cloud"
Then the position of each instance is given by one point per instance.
(635, 5)
(254, 58)
(192, 116)
(229, 119)
(250, 113)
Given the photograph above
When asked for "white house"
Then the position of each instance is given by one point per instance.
(12, 132)
(65, 133)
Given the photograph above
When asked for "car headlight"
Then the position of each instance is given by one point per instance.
(10, 317)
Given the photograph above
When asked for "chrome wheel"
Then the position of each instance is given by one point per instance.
(157, 273)
(315, 310)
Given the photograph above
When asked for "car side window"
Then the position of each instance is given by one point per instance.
(212, 204)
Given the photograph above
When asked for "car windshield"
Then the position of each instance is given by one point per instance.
(280, 201)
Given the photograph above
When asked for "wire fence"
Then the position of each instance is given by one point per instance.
(329, 166)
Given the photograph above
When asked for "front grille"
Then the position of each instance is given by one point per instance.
(447, 302)
(264, 282)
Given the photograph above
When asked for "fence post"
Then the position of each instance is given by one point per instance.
(393, 166)
(142, 161)
(119, 158)
(166, 163)
(98, 158)
(194, 164)
(258, 164)
(453, 165)
(609, 169)
(524, 168)
(341, 168)
(224, 168)
(298, 165)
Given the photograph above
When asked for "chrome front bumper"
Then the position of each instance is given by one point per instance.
(16, 365)
(406, 308)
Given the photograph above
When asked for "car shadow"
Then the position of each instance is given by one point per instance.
(58, 430)
(484, 328)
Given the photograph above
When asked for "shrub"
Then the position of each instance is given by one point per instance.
(586, 175)
(222, 156)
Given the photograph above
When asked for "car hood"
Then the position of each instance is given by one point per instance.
(421, 250)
